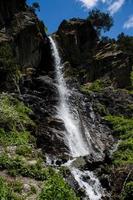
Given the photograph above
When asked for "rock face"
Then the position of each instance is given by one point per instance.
(74, 38)
(92, 59)
(22, 29)
(8, 9)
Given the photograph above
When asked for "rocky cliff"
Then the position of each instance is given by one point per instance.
(99, 75)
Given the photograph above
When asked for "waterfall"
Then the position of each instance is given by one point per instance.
(73, 136)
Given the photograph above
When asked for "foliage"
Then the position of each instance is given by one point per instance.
(18, 166)
(14, 137)
(8, 64)
(24, 150)
(123, 127)
(5, 191)
(131, 77)
(17, 186)
(55, 188)
(101, 109)
(128, 191)
(13, 113)
(96, 86)
(35, 6)
(125, 43)
(100, 20)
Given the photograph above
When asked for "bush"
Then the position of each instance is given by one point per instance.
(55, 188)
(128, 191)
(13, 113)
(100, 20)
(14, 137)
(24, 150)
(17, 166)
(5, 191)
(123, 128)
(96, 86)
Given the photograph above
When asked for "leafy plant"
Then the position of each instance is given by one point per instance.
(55, 188)
(13, 113)
(128, 191)
(100, 20)
(24, 150)
(123, 128)
(5, 191)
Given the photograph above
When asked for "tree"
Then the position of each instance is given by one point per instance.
(125, 43)
(100, 20)
(36, 6)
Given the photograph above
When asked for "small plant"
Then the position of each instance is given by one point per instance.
(33, 189)
(123, 128)
(5, 191)
(14, 137)
(17, 186)
(96, 86)
(24, 150)
(55, 188)
(128, 191)
(13, 113)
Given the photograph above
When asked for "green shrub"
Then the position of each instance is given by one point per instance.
(17, 186)
(13, 113)
(17, 166)
(14, 137)
(96, 86)
(24, 150)
(128, 191)
(5, 191)
(55, 188)
(123, 128)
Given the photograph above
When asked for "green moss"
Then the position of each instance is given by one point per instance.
(55, 188)
(128, 191)
(123, 128)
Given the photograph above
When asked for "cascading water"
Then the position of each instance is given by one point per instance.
(73, 135)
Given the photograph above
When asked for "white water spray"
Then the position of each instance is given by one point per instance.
(73, 135)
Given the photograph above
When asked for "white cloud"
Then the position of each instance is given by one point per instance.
(129, 23)
(90, 3)
(115, 6)
(112, 5)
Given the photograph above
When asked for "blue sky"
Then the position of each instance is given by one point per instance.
(52, 12)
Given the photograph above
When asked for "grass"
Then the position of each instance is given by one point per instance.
(14, 137)
(13, 113)
(18, 166)
(123, 129)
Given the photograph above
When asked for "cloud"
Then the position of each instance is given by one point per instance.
(129, 23)
(112, 5)
(115, 6)
(90, 3)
